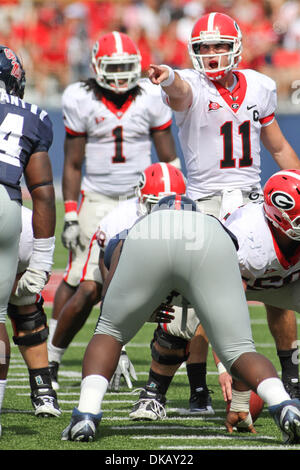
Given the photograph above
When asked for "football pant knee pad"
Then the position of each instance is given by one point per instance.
(165, 340)
(28, 323)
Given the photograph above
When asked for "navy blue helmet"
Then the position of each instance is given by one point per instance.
(12, 74)
(175, 202)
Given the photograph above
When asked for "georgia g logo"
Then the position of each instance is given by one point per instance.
(283, 200)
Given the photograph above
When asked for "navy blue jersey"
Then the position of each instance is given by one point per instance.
(24, 130)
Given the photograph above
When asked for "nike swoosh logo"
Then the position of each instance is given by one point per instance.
(250, 107)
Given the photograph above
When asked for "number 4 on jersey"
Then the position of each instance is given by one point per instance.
(11, 130)
(228, 160)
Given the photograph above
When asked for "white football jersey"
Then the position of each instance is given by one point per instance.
(121, 218)
(220, 132)
(261, 262)
(119, 143)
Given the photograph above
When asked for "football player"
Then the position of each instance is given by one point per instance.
(269, 253)
(111, 121)
(26, 136)
(180, 246)
(222, 114)
(154, 183)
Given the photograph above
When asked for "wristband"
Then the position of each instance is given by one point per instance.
(221, 368)
(168, 81)
(70, 206)
(42, 254)
(240, 400)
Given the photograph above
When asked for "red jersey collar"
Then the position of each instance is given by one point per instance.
(118, 112)
(234, 98)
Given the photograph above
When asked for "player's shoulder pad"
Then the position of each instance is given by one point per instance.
(74, 92)
(253, 76)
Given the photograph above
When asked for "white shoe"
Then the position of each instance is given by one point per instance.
(45, 403)
(150, 406)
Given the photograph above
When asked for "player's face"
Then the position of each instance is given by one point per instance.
(119, 68)
(213, 61)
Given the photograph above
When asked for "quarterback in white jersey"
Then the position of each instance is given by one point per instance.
(220, 132)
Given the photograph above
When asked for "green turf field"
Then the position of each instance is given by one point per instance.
(21, 430)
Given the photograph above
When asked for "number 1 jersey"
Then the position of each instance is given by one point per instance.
(220, 132)
(118, 140)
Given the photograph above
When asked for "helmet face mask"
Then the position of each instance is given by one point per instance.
(12, 74)
(282, 202)
(157, 181)
(216, 28)
(116, 62)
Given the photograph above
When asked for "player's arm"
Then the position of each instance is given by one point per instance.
(39, 180)
(179, 91)
(275, 142)
(74, 148)
(164, 145)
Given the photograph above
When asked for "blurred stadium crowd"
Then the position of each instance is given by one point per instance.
(54, 37)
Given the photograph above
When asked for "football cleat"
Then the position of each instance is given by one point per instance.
(53, 368)
(287, 417)
(83, 427)
(292, 388)
(200, 402)
(150, 407)
(44, 402)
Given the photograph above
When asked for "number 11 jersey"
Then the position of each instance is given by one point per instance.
(220, 132)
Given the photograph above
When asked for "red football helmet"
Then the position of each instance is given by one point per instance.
(116, 62)
(216, 28)
(157, 181)
(282, 202)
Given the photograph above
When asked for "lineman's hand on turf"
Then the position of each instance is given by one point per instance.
(241, 420)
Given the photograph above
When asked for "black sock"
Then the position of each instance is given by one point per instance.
(197, 376)
(39, 378)
(289, 364)
(158, 383)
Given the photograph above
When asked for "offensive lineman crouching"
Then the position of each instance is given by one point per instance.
(183, 251)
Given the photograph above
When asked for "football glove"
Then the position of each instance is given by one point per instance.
(31, 282)
(124, 369)
(162, 314)
(70, 234)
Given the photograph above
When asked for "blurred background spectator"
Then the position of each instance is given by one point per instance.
(54, 38)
